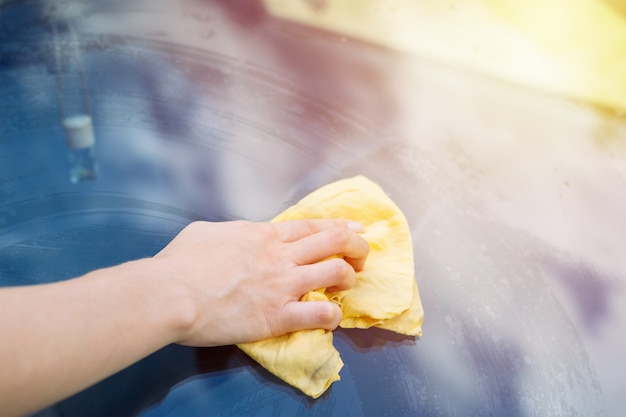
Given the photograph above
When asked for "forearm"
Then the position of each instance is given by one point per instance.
(60, 338)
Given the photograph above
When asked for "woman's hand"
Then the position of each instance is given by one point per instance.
(243, 281)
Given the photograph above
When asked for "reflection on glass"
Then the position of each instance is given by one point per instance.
(80, 140)
(73, 103)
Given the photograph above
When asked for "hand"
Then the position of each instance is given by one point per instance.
(244, 280)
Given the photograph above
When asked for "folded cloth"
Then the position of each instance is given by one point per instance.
(385, 294)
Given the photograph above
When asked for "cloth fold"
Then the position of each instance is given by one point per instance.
(385, 294)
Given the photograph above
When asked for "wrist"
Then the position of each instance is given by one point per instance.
(169, 300)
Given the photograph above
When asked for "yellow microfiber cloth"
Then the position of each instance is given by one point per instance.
(385, 294)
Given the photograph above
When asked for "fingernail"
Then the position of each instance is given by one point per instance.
(355, 227)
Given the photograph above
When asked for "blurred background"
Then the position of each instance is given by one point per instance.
(498, 127)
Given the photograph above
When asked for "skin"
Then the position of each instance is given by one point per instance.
(213, 284)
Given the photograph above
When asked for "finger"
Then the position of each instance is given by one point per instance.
(292, 230)
(335, 274)
(331, 242)
(305, 315)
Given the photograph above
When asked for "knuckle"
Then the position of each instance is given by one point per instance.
(339, 268)
(267, 231)
(328, 315)
(339, 237)
(274, 258)
(342, 274)
(349, 279)
(260, 233)
(308, 226)
(297, 228)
